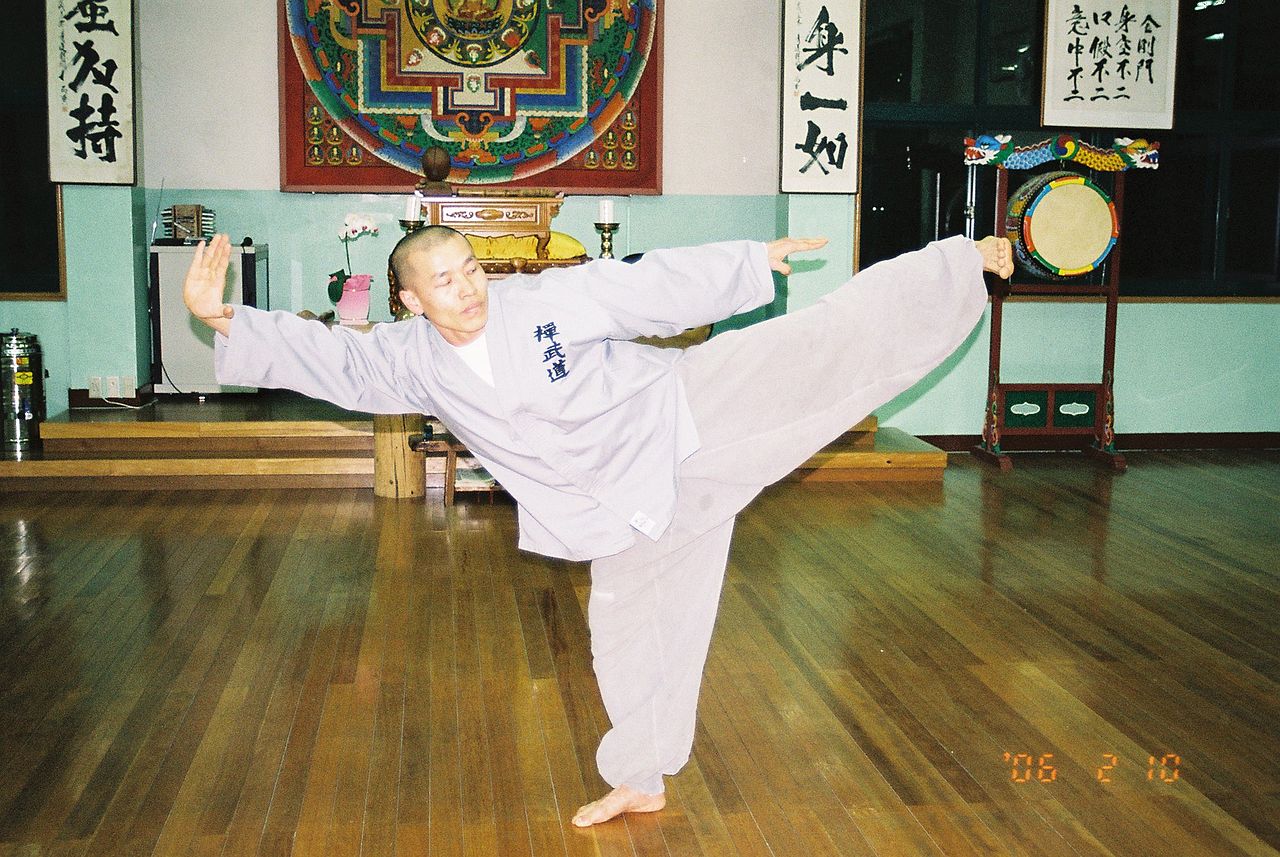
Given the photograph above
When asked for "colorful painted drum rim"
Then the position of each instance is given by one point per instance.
(1023, 204)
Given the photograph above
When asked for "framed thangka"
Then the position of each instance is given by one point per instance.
(546, 93)
(90, 91)
(821, 99)
(1110, 63)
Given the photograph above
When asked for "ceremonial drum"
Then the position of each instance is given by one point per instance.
(1061, 224)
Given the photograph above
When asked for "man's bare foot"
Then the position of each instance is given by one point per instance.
(997, 255)
(615, 803)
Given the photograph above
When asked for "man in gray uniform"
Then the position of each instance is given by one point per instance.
(635, 457)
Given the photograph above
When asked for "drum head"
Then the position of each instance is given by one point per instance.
(1065, 225)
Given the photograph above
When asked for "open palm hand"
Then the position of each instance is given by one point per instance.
(206, 282)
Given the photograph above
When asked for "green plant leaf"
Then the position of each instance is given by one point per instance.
(336, 281)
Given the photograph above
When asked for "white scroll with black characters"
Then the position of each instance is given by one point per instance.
(91, 97)
(821, 68)
(1110, 63)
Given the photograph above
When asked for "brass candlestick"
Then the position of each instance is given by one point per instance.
(412, 225)
(606, 231)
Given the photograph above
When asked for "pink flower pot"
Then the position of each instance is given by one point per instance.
(353, 306)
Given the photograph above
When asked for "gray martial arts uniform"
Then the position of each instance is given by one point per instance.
(583, 428)
(598, 438)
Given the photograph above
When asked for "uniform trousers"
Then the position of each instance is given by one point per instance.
(764, 399)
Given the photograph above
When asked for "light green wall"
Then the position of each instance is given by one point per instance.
(101, 328)
(106, 297)
(48, 321)
(1180, 367)
(815, 274)
(1205, 367)
(301, 230)
(674, 221)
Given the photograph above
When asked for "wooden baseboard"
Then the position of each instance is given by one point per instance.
(1134, 441)
(1201, 440)
(866, 474)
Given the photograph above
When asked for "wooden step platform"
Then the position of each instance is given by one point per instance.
(188, 472)
(892, 455)
(290, 441)
(183, 435)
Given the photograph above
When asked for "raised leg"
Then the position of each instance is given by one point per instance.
(767, 397)
(764, 399)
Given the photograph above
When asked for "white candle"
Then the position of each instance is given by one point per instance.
(606, 211)
(411, 207)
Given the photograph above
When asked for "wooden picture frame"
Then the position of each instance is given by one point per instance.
(90, 92)
(1109, 63)
(821, 96)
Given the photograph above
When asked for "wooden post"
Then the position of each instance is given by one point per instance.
(398, 471)
(988, 449)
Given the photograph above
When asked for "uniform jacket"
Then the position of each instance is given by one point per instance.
(583, 428)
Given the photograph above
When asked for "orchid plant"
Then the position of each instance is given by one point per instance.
(352, 228)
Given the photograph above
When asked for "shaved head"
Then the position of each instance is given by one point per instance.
(436, 274)
(422, 240)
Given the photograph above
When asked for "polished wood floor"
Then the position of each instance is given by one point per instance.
(1056, 660)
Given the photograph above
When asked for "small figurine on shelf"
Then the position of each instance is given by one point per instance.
(435, 172)
(350, 292)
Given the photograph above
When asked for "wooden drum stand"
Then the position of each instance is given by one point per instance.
(1050, 409)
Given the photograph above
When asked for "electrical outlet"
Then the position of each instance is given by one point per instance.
(113, 386)
(128, 387)
(95, 386)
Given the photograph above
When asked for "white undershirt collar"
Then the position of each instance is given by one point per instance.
(476, 355)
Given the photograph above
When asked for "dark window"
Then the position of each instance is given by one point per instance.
(913, 188)
(914, 52)
(1252, 251)
(1169, 219)
(28, 201)
(1202, 49)
(1012, 45)
(1207, 222)
(1257, 73)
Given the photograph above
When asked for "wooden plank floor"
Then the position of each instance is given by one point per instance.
(1056, 660)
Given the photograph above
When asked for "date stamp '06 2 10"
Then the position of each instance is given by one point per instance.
(1025, 767)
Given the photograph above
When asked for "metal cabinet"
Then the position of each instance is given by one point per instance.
(182, 346)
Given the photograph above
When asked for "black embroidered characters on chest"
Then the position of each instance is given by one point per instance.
(552, 352)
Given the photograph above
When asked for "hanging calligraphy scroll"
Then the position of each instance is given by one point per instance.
(821, 67)
(1110, 63)
(548, 93)
(90, 63)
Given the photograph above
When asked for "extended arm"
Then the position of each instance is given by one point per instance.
(358, 371)
(668, 291)
(278, 349)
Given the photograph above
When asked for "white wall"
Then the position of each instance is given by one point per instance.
(720, 97)
(209, 95)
